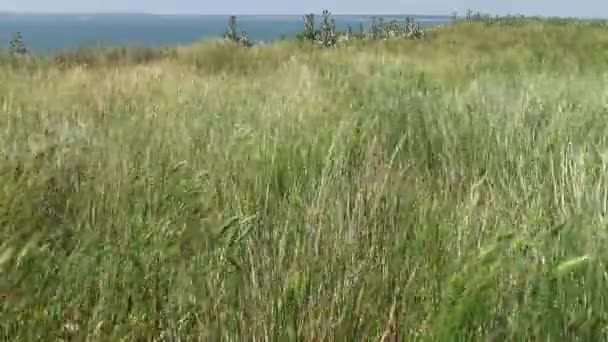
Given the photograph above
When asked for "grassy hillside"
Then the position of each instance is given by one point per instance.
(454, 188)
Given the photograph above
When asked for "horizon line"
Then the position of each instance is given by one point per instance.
(443, 15)
(211, 14)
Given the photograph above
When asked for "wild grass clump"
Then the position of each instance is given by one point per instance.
(518, 20)
(387, 190)
(110, 56)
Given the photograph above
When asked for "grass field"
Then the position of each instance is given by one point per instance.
(448, 189)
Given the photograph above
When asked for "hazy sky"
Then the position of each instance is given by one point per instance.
(579, 8)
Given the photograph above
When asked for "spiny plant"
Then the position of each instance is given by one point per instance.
(376, 28)
(454, 16)
(309, 27)
(329, 34)
(326, 36)
(412, 29)
(232, 33)
(478, 17)
(469, 16)
(392, 29)
(17, 46)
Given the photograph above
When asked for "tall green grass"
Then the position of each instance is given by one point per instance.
(447, 189)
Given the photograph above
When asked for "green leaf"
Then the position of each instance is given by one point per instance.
(571, 265)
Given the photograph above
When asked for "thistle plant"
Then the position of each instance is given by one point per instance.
(328, 30)
(328, 34)
(309, 27)
(454, 16)
(232, 35)
(17, 46)
(375, 29)
(412, 29)
(244, 39)
(469, 16)
(392, 30)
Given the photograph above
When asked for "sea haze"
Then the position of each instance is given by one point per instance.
(49, 32)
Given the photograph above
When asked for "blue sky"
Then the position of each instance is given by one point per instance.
(579, 8)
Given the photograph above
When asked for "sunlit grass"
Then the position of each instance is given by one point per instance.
(451, 188)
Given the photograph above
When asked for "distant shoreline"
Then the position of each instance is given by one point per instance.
(272, 16)
(100, 14)
(45, 33)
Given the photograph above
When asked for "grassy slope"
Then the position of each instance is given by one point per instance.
(439, 190)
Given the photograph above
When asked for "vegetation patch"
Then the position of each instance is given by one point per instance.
(450, 185)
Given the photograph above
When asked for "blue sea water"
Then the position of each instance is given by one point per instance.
(49, 32)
